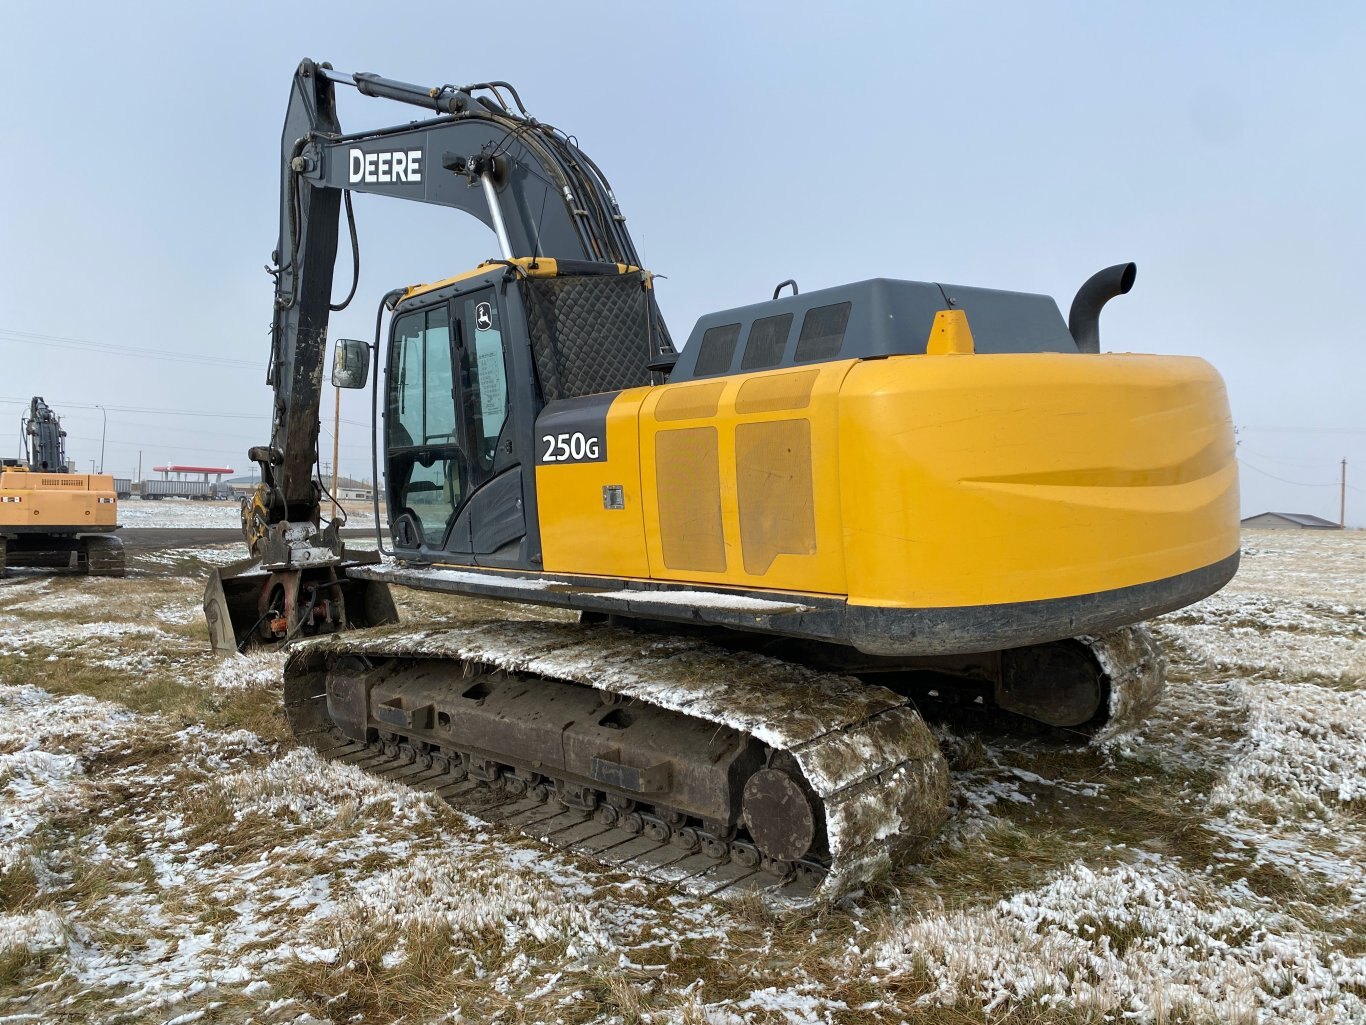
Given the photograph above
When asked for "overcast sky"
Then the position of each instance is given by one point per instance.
(1018, 146)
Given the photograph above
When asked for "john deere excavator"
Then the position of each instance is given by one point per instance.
(826, 507)
(53, 518)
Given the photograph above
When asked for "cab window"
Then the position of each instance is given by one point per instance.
(426, 476)
(483, 378)
(421, 404)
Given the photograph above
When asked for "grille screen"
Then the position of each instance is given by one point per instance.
(718, 350)
(687, 402)
(777, 504)
(767, 340)
(823, 332)
(779, 391)
(688, 478)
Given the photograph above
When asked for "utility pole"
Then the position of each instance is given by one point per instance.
(1342, 497)
(336, 447)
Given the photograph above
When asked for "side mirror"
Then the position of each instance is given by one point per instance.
(350, 363)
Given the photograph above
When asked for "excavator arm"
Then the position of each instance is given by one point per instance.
(525, 180)
(45, 438)
(480, 153)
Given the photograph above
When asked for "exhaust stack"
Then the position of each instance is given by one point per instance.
(1083, 320)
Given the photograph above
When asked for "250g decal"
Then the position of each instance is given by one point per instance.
(572, 448)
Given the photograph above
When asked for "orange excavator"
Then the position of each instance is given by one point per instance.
(50, 517)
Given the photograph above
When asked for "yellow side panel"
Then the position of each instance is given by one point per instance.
(774, 477)
(61, 501)
(984, 479)
(578, 533)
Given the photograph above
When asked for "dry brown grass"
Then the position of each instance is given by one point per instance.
(176, 689)
(359, 986)
(18, 965)
(18, 884)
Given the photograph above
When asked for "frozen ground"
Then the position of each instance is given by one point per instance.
(166, 856)
(185, 513)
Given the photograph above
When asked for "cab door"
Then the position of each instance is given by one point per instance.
(428, 475)
(493, 516)
(455, 489)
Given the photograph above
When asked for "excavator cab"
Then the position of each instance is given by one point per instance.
(481, 369)
(473, 362)
(454, 471)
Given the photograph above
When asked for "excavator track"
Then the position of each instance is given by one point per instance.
(1124, 679)
(97, 555)
(1135, 671)
(104, 556)
(711, 769)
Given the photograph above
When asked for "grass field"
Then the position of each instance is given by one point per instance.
(166, 855)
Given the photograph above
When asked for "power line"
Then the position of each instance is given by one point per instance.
(1283, 480)
(1298, 461)
(1306, 430)
(263, 415)
(61, 342)
(13, 401)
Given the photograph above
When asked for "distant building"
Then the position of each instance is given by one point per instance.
(243, 485)
(1290, 521)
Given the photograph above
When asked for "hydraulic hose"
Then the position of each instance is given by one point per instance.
(355, 255)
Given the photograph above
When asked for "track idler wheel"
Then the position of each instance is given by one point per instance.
(778, 812)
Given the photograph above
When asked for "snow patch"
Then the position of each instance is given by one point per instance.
(1148, 939)
(244, 671)
(37, 931)
(17, 637)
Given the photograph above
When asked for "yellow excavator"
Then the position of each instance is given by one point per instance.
(826, 508)
(50, 517)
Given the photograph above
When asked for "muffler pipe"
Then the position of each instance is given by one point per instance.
(1083, 320)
